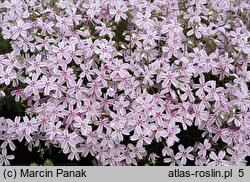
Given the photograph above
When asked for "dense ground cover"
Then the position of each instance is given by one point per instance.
(125, 82)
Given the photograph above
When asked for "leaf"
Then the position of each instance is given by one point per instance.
(48, 162)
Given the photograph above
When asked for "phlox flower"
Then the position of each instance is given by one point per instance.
(218, 160)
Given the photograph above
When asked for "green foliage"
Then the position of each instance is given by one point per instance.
(33, 164)
(48, 162)
(9, 108)
(121, 26)
(5, 46)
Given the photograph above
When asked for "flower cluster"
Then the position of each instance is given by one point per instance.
(116, 78)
